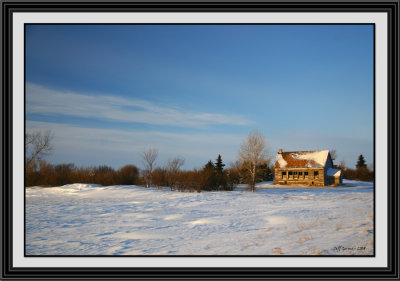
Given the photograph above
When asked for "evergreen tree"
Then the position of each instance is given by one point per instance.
(221, 176)
(208, 178)
(264, 173)
(219, 166)
(209, 166)
(361, 162)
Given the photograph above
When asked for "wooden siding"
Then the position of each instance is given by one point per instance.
(296, 179)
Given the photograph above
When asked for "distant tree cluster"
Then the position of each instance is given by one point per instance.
(39, 172)
(211, 177)
(252, 166)
(46, 174)
(361, 172)
(238, 173)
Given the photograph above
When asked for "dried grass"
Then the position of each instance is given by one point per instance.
(303, 239)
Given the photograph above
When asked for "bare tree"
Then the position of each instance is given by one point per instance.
(252, 153)
(149, 157)
(173, 166)
(333, 154)
(37, 145)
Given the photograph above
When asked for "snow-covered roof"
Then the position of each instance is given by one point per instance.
(333, 172)
(302, 159)
(279, 159)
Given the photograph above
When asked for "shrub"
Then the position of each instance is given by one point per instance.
(159, 177)
(127, 175)
(362, 174)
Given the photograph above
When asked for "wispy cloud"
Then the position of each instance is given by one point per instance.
(42, 100)
(84, 145)
(87, 146)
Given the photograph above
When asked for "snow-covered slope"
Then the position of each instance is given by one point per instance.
(81, 219)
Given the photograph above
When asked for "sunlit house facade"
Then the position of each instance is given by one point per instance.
(307, 168)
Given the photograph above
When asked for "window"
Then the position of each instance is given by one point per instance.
(295, 173)
(290, 173)
(316, 174)
(300, 173)
(283, 174)
(306, 175)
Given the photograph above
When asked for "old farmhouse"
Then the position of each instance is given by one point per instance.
(306, 167)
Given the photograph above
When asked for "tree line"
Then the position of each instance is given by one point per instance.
(253, 165)
(46, 174)
(213, 176)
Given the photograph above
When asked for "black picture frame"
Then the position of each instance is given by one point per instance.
(10, 272)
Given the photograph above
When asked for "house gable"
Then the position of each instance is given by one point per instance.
(329, 162)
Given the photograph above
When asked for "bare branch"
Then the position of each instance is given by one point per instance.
(253, 152)
(37, 145)
(149, 157)
(333, 154)
(172, 169)
(173, 165)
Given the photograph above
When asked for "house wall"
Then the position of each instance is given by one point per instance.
(339, 180)
(330, 180)
(329, 164)
(300, 179)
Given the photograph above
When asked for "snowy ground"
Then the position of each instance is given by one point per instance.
(82, 219)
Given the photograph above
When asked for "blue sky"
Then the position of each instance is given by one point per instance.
(196, 91)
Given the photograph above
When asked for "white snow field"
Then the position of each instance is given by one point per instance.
(84, 219)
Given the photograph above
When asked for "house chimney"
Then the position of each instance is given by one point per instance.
(280, 151)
